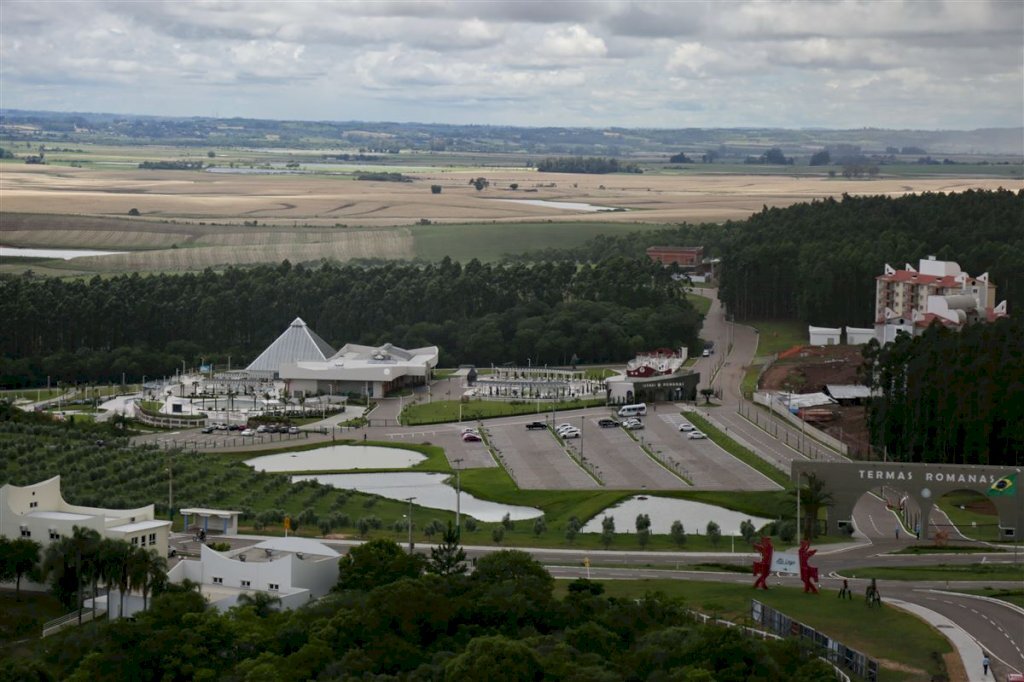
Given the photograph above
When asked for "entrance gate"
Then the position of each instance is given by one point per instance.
(924, 483)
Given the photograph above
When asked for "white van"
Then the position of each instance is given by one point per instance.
(638, 410)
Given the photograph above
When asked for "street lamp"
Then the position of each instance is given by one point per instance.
(409, 500)
(458, 497)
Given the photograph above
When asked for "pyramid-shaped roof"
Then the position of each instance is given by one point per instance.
(298, 343)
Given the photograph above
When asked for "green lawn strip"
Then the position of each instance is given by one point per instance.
(749, 382)
(738, 451)
(775, 336)
(701, 303)
(971, 523)
(986, 571)
(1015, 597)
(33, 394)
(895, 638)
(950, 549)
(444, 411)
(24, 619)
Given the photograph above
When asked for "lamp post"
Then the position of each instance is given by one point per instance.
(458, 497)
(409, 500)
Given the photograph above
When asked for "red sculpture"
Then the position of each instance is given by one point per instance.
(808, 573)
(763, 567)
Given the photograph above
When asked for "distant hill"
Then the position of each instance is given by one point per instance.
(390, 137)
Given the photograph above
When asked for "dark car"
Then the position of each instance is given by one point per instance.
(607, 423)
(536, 425)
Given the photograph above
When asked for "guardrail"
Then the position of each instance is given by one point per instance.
(57, 624)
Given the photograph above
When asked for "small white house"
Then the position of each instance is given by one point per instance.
(295, 570)
(824, 336)
(858, 336)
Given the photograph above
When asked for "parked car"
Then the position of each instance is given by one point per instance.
(532, 426)
(234, 427)
(248, 432)
(293, 430)
(569, 433)
(469, 429)
(222, 427)
(687, 426)
(607, 423)
(262, 428)
(470, 438)
(706, 353)
(695, 435)
(565, 425)
(206, 429)
(633, 425)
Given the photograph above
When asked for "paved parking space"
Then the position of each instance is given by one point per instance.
(448, 436)
(705, 463)
(536, 460)
(621, 462)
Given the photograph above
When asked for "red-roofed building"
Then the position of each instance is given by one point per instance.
(685, 256)
(909, 300)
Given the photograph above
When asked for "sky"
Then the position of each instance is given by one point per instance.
(924, 64)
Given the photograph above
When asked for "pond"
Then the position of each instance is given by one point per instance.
(664, 510)
(63, 254)
(565, 205)
(429, 489)
(337, 457)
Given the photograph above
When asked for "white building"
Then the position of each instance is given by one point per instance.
(298, 343)
(39, 512)
(858, 336)
(372, 371)
(910, 300)
(824, 336)
(295, 570)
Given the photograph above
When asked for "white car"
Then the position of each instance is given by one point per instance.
(564, 426)
(248, 432)
(695, 435)
(569, 433)
(706, 353)
(465, 431)
(565, 429)
(687, 426)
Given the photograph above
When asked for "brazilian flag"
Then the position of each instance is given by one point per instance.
(1007, 485)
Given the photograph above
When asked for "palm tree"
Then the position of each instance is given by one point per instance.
(69, 559)
(115, 566)
(263, 604)
(148, 570)
(813, 497)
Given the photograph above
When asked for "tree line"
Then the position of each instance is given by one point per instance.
(950, 397)
(96, 330)
(395, 616)
(817, 262)
(586, 164)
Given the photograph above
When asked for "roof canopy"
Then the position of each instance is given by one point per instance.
(298, 343)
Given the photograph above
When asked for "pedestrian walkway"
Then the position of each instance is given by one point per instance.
(966, 646)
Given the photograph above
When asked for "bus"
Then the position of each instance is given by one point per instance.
(638, 410)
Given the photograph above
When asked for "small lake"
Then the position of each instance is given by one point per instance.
(429, 489)
(564, 205)
(336, 457)
(63, 254)
(664, 510)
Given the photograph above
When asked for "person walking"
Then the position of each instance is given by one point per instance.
(984, 663)
(897, 532)
(846, 591)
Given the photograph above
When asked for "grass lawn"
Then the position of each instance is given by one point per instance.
(701, 303)
(775, 336)
(749, 382)
(986, 571)
(898, 640)
(441, 411)
(491, 241)
(935, 549)
(23, 620)
(33, 394)
(1015, 597)
(973, 520)
(738, 451)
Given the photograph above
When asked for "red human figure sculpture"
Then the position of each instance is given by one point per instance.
(764, 566)
(808, 573)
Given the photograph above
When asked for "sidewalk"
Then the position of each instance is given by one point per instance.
(966, 647)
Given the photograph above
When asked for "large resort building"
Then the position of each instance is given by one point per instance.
(910, 299)
(39, 512)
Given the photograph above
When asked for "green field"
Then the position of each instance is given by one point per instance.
(901, 643)
(442, 411)
(972, 521)
(986, 571)
(701, 303)
(491, 241)
(34, 394)
(775, 336)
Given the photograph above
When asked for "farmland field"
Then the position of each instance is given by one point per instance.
(190, 220)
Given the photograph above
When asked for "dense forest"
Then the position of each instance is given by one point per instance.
(399, 617)
(549, 313)
(817, 262)
(951, 397)
(590, 164)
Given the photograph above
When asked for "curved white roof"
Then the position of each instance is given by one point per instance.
(296, 544)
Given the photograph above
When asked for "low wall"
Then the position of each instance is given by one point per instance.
(764, 398)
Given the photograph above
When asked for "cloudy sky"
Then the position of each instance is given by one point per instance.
(837, 64)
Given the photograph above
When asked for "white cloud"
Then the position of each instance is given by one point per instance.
(571, 42)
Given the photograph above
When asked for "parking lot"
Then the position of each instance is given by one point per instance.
(447, 436)
(536, 460)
